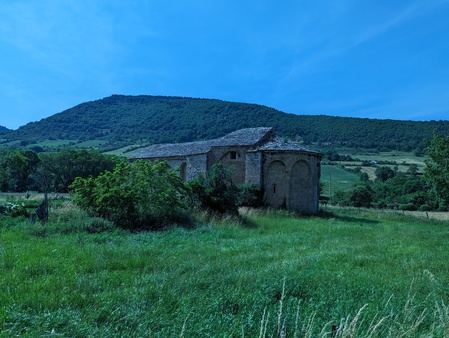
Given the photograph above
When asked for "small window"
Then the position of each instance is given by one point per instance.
(274, 188)
(232, 155)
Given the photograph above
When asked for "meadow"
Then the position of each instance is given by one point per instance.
(343, 273)
(335, 178)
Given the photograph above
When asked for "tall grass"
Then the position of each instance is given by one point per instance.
(276, 274)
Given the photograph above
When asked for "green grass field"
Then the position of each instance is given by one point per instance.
(337, 178)
(275, 274)
(127, 151)
(402, 160)
(343, 180)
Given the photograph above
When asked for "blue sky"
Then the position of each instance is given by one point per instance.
(372, 58)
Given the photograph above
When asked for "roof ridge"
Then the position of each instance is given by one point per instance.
(240, 137)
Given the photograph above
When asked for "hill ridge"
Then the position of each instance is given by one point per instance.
(145, 119)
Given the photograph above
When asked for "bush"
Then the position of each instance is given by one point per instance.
(361, 197)
(342, 197)
(250, 195)
(13, 209)
(216, 193)
(138, 195)
(425, 207)
(442, 208)
(382, 205)
(408, 207)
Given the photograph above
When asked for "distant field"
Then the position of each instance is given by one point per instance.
(94, 144)
(339, 178)
(397, 156)
(127, 151)
(401, 158)
(342, 179)
(5, 144)
(55, 143)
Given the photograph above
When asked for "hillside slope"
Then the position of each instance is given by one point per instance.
(144, 119)
(3, 129)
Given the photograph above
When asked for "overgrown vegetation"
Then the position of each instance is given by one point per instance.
(215, 192)
(144, 195)
(363, 273)
(139, 195)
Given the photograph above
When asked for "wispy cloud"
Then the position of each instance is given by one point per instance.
(413, 10)
(63, 37)
(335, 44)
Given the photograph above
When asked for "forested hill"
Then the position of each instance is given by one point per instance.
(3, 129)
(122, 120)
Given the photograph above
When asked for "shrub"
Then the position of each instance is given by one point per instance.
(250, 195)
(215, 192)
(342, 197)
(138, 195)
(407, 207)
(382, 205)
(425, 207)
(13, 209)
(361, 196)
(442, 208)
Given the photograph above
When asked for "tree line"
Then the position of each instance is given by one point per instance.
(122, 120)
(28, 170)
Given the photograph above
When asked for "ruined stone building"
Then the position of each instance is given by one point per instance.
(288, 172)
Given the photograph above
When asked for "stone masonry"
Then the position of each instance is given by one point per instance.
(288, 172)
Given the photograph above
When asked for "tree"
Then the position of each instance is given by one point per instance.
(437, 170)
(361, 196)
(364, 177)
(18, 168)
(3, 179)
(384, 173)
(413, 169)
(67, 164)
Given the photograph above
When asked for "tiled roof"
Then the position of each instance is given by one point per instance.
(243, 137)
(278, 144)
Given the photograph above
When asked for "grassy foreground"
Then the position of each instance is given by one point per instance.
(343, 274)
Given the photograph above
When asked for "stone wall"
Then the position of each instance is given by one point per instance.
(230, 157)
(196, 165)
(253, 169)
(190, 166)
(291, 180)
